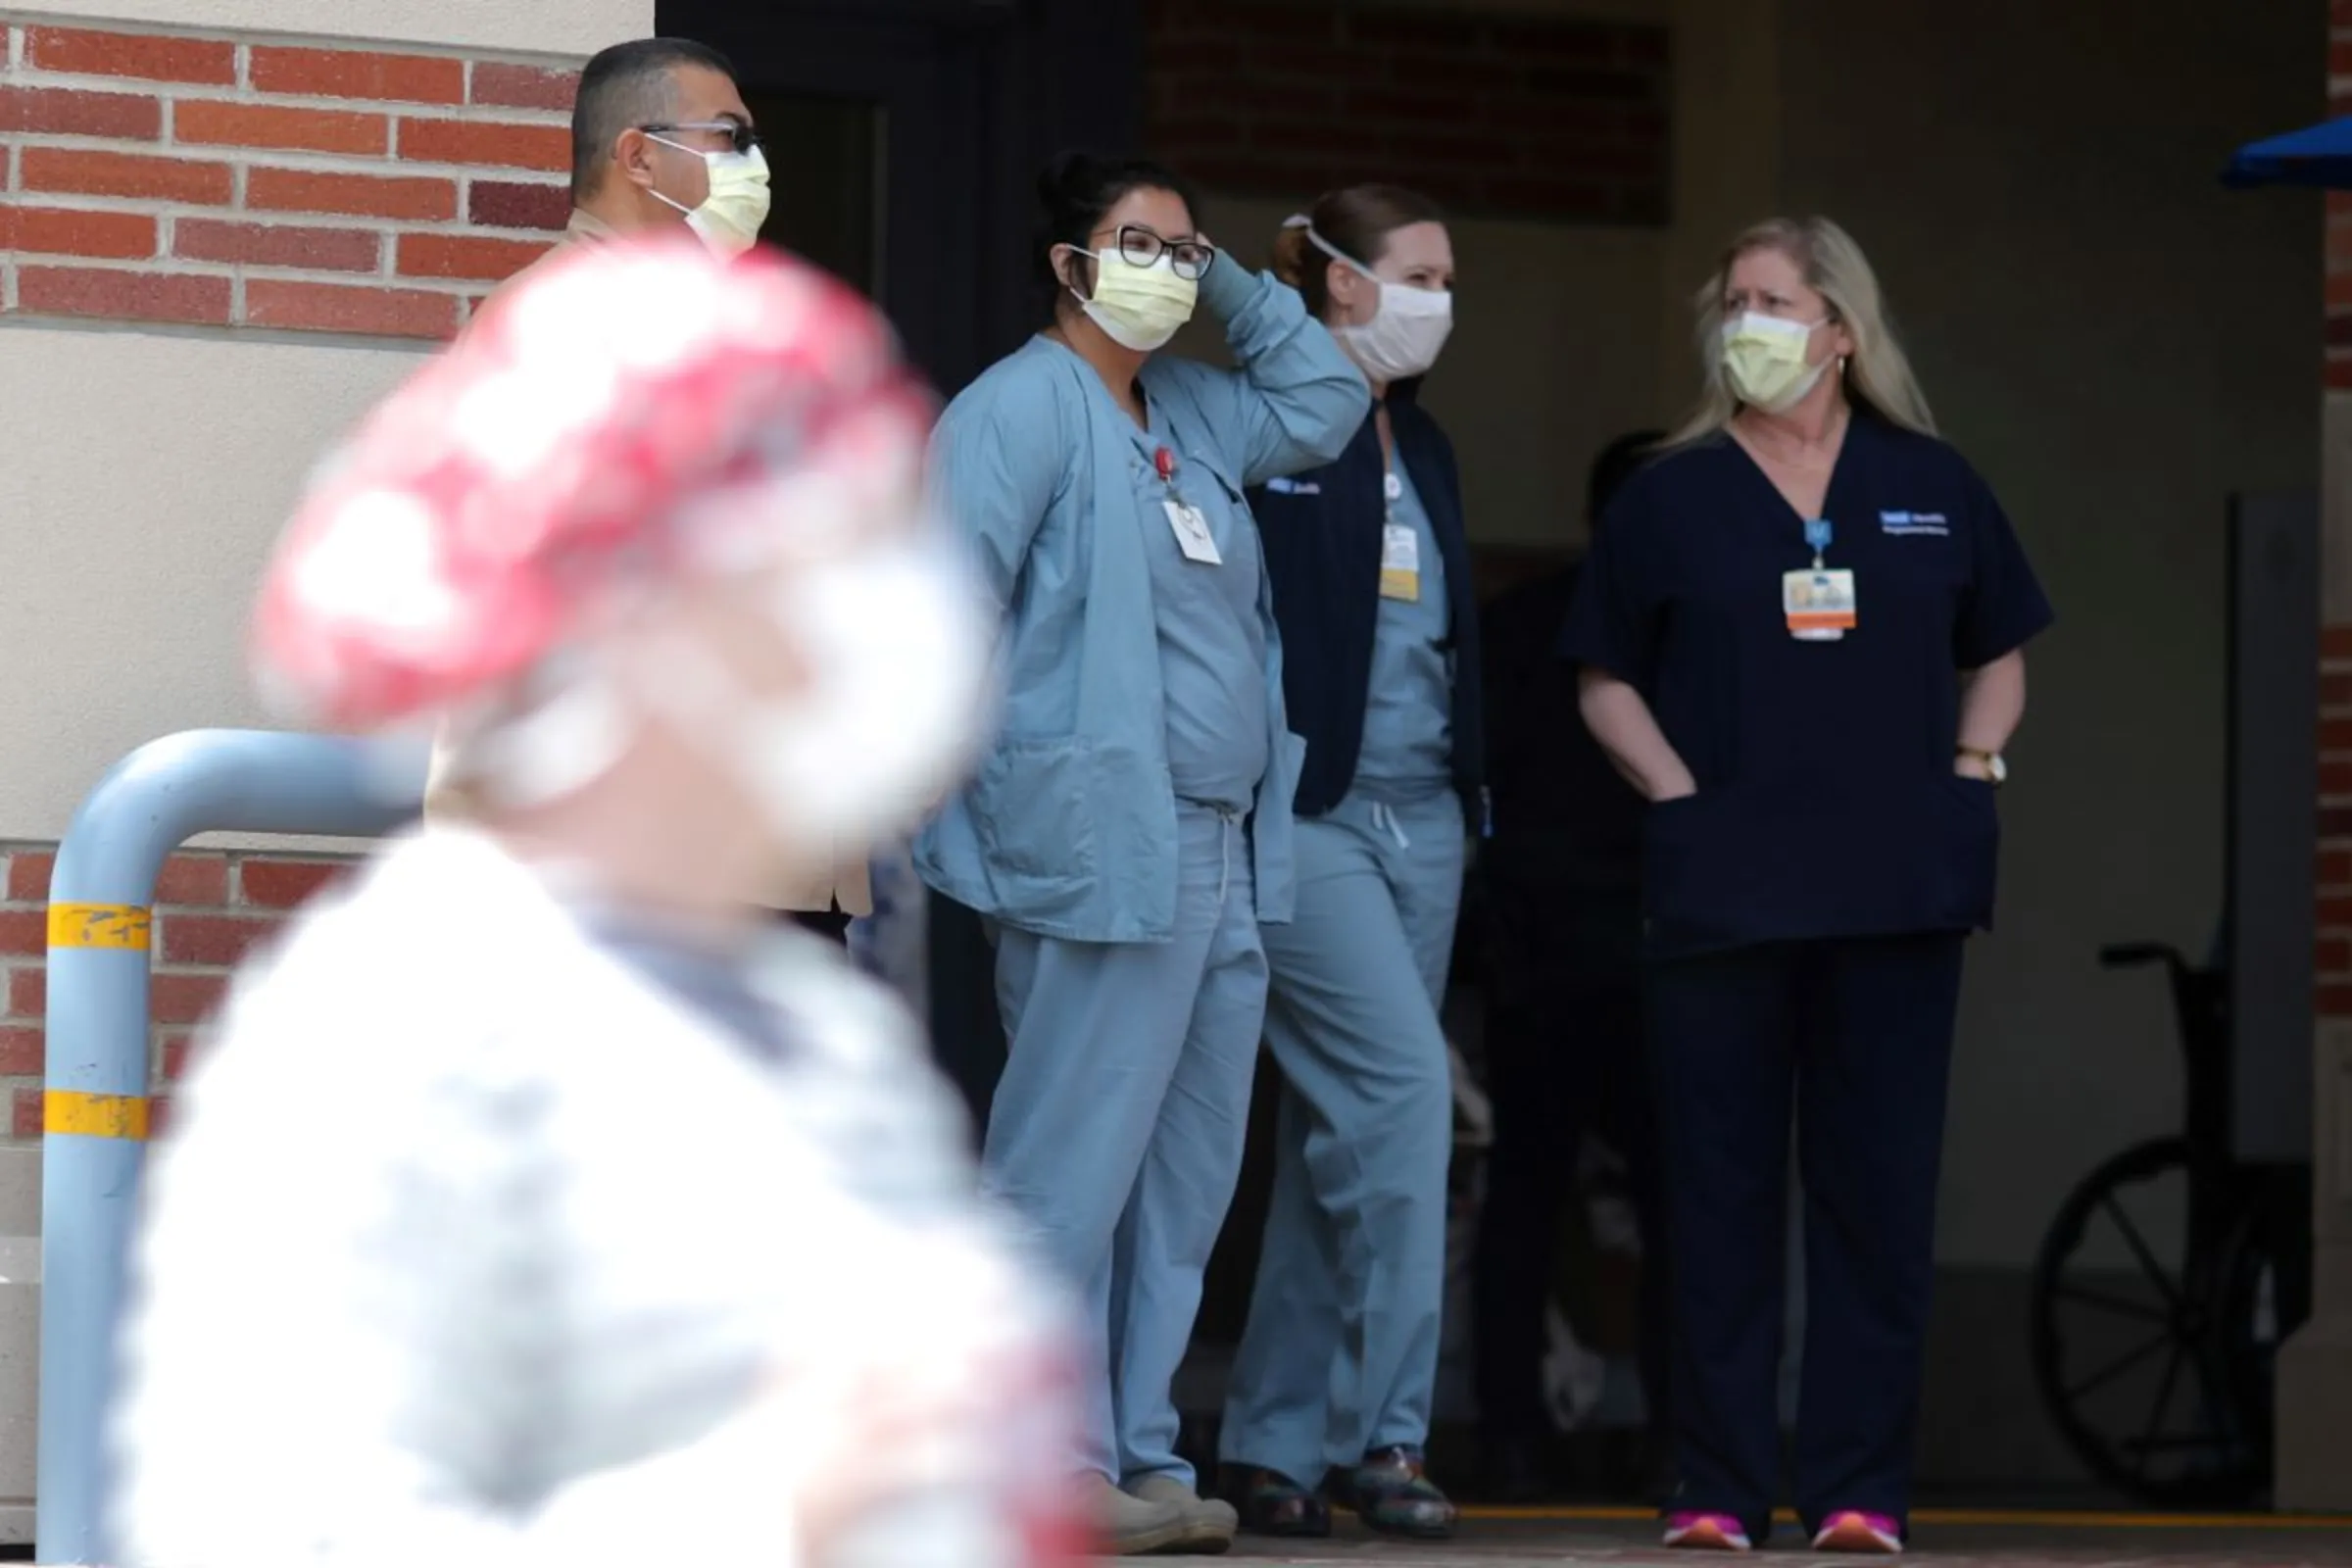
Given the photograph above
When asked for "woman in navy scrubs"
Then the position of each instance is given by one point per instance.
(1801, 636)
(1371, 577)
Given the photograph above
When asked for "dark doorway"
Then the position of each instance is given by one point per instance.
(903, 136)
(827, 167)
(904, 139)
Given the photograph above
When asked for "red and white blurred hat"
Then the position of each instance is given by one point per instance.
(630, 413)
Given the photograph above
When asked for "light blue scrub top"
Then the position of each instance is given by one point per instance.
(1211, 644)
(1068, 826)
(1407, 752)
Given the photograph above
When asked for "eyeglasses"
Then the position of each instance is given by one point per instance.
(741, 137)
(1188, 258)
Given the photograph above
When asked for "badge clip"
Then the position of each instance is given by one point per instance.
(1818, 534)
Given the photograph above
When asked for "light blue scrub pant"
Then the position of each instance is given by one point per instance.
(1117, 1132)
(1341, 1354)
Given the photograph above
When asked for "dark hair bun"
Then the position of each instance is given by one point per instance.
(1295, 254)
(1077, 189)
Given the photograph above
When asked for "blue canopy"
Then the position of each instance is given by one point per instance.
(2320, 155)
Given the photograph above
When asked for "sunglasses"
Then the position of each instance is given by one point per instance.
(741, 137)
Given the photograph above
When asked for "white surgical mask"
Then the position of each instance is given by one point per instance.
(1139, 308)
(730, 217)
(898, 696)
(895, 700)
(1407, 332)
(899, 699)
(1764, 356)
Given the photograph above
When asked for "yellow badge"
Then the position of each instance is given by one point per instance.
(1400, 564)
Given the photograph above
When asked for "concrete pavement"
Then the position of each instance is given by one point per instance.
(1501, 1538)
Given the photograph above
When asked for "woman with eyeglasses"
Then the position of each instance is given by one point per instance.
(1131, 826)
(1372, 579)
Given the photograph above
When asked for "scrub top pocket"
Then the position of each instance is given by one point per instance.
(1041, 830)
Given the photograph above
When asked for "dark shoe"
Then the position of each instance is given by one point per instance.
(1515, 1470)
(1271, 1503)
(1392, 1496)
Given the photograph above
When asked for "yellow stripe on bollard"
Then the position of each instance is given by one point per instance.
(123, 927)
(67, 1110)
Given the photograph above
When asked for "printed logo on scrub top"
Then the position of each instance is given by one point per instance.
(1932, 524)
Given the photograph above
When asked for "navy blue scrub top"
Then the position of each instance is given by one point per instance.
(1826, 806)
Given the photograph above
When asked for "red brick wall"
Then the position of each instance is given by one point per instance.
(239, 180)
(210, 911)
(1511, 116)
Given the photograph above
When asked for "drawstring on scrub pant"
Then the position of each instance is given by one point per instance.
(1385, 820)
(1227, 821)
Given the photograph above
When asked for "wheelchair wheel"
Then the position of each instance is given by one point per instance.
(2142, 1341)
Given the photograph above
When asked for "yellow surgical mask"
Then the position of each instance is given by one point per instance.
(1764, 356)
(730, 217)
(1139, 308)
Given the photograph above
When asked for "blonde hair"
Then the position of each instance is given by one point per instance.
(1877, 375)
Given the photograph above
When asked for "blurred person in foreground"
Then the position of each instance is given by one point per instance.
(544, 1203)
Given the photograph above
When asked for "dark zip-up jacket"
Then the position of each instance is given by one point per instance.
(1322, 533)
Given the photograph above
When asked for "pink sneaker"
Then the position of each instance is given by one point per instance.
(1705, 1532)
(1867, 1533)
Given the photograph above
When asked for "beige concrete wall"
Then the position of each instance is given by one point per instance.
(2119, 344)
(138, 521)
(526, 26)
(148, 470)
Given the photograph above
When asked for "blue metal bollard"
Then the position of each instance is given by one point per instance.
(95, 1110)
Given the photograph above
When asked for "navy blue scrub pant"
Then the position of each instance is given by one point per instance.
(1855, 1036)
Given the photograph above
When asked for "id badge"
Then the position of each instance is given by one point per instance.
(1192, 537)
(1401, 564)
(1819, 605)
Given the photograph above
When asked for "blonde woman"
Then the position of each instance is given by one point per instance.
(1801, 634)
